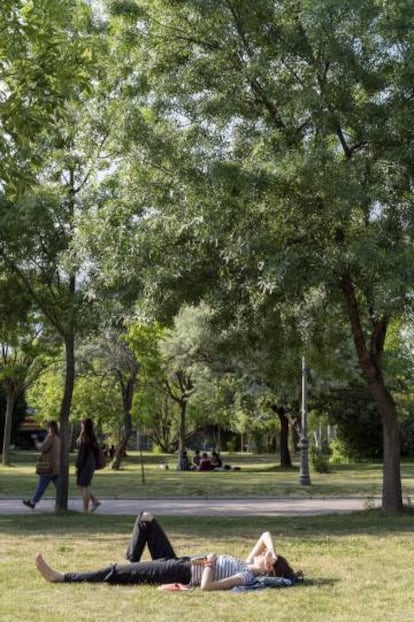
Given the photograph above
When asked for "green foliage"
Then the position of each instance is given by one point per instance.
(251, 160)
(44, 64)
(45, 394)
(287, 165)
(355, 416)
(39, 221)
(25, 354)
(231, 445)
(319, 459)
(338, 453)
(144, 338)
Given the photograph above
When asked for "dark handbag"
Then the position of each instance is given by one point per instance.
(44, 467)
(100, 459)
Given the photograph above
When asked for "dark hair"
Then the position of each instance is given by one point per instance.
(282, 568)
(87, 434)
(53, 427)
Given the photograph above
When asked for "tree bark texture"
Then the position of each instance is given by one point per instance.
(63, 487)
(128, 389)
(285, 458)
(369, 358)
(8, 421)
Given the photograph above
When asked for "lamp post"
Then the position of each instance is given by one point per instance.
(304, 478)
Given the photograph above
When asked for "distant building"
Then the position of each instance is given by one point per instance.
(28, 426)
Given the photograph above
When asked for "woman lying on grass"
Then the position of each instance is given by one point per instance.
(210, 572)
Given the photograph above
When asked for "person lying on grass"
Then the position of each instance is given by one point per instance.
(209, 571)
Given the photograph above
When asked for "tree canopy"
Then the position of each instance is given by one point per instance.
(294, 120)
(255, 159)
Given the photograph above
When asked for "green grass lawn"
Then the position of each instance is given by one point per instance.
(357, 566)
(259, 477)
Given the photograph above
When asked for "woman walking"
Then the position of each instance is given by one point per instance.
(86, 462)
(48, 465)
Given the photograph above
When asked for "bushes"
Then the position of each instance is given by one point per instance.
(357, 421)
(319, 458)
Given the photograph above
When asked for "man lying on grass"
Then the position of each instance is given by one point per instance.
(209, 571)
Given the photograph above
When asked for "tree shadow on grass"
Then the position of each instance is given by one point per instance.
(319, 581)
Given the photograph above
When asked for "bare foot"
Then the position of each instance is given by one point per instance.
(46, 571)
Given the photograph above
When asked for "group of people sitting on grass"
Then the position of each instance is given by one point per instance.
(202, 462)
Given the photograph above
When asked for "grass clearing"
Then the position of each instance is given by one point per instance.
(357, 566)
(259, 477)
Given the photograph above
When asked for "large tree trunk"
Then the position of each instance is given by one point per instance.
(370, 364)
(8, 421)
(391, 481)
(285, 458)
(63, 487)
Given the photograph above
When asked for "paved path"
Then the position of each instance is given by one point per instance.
(286, 506)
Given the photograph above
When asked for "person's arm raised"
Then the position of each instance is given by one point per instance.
(264, 543)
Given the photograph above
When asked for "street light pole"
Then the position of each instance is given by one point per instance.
(304, 479)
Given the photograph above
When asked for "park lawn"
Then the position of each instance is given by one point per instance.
(357, 566)
(259, 477)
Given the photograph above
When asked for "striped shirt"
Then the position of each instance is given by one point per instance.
(226, 566)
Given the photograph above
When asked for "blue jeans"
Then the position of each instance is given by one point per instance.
(42, 484)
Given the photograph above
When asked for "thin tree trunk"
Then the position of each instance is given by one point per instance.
(127, 389)
(62, 492)
(182, 426)
(8, 421)
(186, 389)
(68, 335)
(295, 438)
(123, 443)
(218, 442)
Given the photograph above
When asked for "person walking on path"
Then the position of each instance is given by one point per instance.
(86, 463)
(48, 465)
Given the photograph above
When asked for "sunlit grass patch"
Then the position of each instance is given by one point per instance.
(357, 567)
(259, 476)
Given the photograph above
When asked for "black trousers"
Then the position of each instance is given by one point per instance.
(165, 567)
(149, 533)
